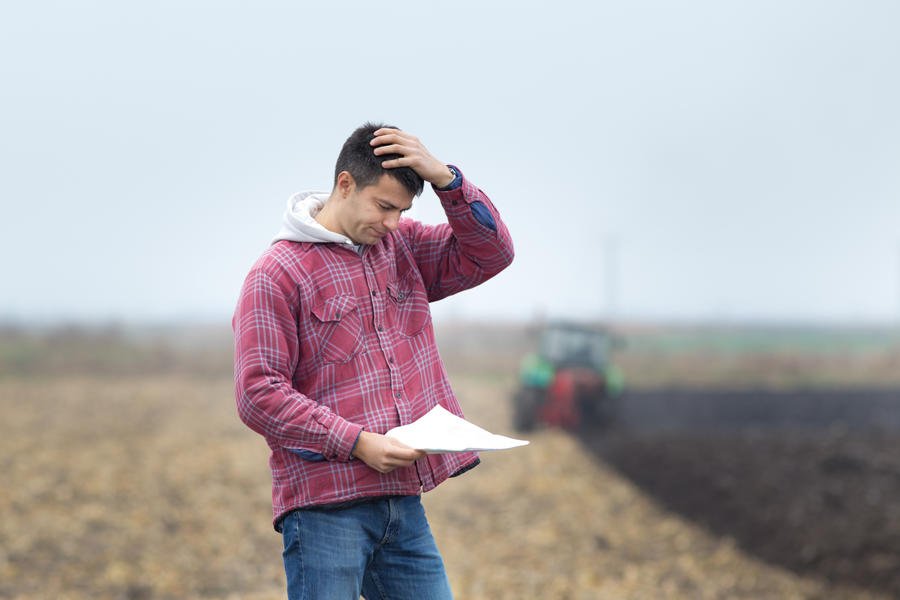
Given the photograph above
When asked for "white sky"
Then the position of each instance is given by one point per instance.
(690, 160)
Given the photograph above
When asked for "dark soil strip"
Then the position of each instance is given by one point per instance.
(807, 480)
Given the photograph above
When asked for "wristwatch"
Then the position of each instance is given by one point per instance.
(452, 181)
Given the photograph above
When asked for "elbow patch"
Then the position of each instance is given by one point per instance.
(483, 215)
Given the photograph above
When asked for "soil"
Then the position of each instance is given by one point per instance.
(653, 509)
(148, 486)
(805, 479)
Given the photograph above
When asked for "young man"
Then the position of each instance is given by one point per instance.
(334, 346)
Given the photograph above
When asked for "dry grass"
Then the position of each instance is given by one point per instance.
(139, 488)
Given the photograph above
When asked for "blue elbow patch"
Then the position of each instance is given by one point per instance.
(307, 454)
(483, 215)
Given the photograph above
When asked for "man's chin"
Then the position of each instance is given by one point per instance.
(373, 237)
(368, 238)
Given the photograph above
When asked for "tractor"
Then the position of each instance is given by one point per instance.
(569, 382)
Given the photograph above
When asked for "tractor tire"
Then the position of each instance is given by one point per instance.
(525, 405)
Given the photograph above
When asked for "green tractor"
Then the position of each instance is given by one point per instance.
(570, 381)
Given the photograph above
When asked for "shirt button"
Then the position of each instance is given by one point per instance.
(374, 292)
(381, 328)
(391, 360)
(397, 395)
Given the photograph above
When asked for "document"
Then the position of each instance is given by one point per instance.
(440, 431)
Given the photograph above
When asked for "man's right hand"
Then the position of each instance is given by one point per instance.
(413, 154)
(384, 454)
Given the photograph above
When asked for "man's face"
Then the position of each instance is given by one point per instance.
(368, 214)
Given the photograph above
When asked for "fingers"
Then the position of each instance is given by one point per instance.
(394, 137)
(386, 454)
(388, 464)
(394, 141)
(386, 135)
(397, 455)
(401, 453)
(412, 153)
(402, 161)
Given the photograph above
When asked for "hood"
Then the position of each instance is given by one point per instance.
(299, 223)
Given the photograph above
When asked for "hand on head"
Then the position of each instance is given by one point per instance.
(413, 154)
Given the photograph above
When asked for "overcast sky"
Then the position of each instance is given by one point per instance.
(653, 160)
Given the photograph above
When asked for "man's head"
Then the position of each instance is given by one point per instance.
(358, 159)
(368, 199)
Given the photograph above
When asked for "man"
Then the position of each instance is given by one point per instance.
(334, 346)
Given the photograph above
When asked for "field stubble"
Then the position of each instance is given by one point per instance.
(148, 486)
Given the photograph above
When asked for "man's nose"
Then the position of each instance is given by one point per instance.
(392, 221)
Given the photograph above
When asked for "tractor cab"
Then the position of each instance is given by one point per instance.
(572, 346)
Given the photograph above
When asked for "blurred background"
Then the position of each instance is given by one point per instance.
(708, 191)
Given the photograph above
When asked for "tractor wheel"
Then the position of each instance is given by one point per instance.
(525, 405)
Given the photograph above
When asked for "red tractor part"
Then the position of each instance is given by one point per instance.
(566, 396)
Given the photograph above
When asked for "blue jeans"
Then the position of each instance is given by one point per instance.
(381, 549)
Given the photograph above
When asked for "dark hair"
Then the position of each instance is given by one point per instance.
(358, 159)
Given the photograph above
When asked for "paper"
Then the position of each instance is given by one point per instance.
(440, 431)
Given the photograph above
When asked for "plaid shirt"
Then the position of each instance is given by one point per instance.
(330, 342)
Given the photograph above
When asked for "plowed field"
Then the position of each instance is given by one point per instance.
(125, 484)
(150, 488)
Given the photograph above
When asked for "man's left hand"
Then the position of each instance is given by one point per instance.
(413, 154)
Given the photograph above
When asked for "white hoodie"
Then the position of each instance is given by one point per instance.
(299, 223)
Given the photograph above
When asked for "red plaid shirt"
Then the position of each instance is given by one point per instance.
(329, 342)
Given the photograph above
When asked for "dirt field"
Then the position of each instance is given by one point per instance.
(808, 479)
(147, 486)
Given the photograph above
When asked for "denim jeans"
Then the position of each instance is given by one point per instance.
(381, 549)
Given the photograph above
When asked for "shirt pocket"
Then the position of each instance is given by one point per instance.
(410, 305)
(337, 329)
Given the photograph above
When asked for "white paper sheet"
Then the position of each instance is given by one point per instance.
(440, 431)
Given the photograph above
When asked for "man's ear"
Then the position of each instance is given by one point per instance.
(345, 184)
